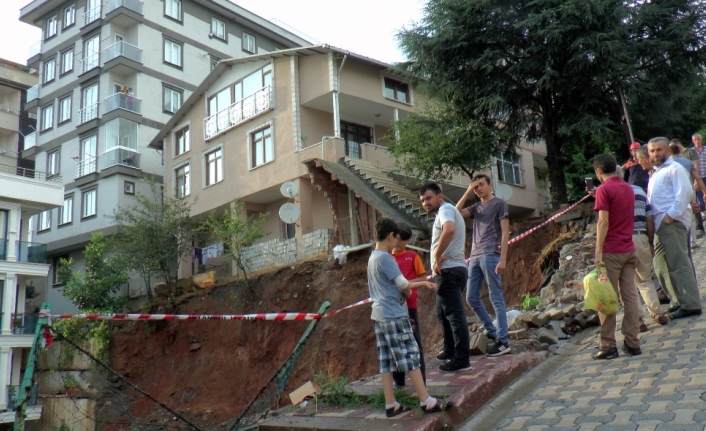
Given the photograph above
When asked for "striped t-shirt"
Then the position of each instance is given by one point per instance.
(642, 208)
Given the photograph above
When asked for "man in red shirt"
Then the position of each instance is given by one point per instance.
(614, 248)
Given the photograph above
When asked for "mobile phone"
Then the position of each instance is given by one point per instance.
(589, 184)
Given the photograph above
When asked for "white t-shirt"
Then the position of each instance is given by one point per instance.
(455, 250)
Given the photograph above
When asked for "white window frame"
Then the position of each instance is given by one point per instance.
(515, 163)
(65, 61)
(172, 91)
(207, 163)
(49, 71)
(89, 203)
(51, 26)
(70, 18)
(53, 163)
(173, 7)
(218, 28)
(44, 221)
(47, 118)
(170, 48)
(251, 133)
(187, 179)
(65, 109)
(249, 43)
(187, 142)
(66, 215)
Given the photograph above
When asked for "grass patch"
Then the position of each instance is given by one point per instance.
(377, 400)
(335, 393)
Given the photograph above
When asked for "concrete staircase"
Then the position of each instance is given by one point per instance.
(398, 196)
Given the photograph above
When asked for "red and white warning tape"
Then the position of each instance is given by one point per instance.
(258, 316)
(547, 221)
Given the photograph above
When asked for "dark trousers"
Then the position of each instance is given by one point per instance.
(451, 314)
(414, 318)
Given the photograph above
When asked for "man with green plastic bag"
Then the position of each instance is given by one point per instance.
(616, 250)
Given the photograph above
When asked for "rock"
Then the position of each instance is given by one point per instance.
(579, 306)
(543, 347)
(517, 335)
(517, 324)
(566, 324)
(185, 285)
(557, 329)
(593, 320)
(547, 336)
(479, 343)
(571, 297)
(570, 310)
(162, 289)
(555, 314)
(533, 320)
(193, 347)
(207, 279)
(581, 321)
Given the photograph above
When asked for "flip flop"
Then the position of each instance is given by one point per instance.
(397, 411)
(439, 407)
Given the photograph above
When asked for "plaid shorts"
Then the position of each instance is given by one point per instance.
(397, 349)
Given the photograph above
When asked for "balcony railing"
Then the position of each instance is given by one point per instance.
(133, 5)
(89, 62)
(3, 249)
(86, 166)
(238, 113)
(10, 109)
(122, 101)
(88, 113)
(124, 49)
(31, 140)
(29, 173)
(13, 395)
(32, 252)
(91, 15)
(120, 156)
(24, 323)
(32, 93)
(35, 49)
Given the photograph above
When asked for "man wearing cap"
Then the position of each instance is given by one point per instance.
(633, 173)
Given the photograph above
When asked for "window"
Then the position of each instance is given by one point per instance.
(53, 163)
(214, 167)
(245, 87)
(172, 52)
(88, 203)
(129, 188)
(249, 43)
(89, 103)
(509, 170)
(50, 30)
(289, 230)
(218, 28)
(69, 15)
(49, 70)
(55, 268)
(172, 99)
(67, 211)
(183, 141)
(214, 62)
(67, 61)
(47, 117)
(262, 150)
(353, 136)
(65, 109)
(120, 132)
(397, 90)
(44, 221)
(172, 9)
(183, 180)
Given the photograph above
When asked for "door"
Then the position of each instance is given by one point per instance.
(91, 53)
(93, 10)
(89, 103)
(89, 149)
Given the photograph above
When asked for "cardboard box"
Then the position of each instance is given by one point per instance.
(306, 390)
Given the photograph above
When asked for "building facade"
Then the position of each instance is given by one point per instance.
(321, 118)
(111, 74)
(24, 192)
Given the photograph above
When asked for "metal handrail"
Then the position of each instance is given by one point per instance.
(239, 112)
(92, 15)
(29, 173)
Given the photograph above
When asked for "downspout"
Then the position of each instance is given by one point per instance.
(336, 112)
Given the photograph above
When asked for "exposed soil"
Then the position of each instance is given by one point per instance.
(210, 370)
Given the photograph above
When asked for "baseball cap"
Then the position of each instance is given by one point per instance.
(635, 146)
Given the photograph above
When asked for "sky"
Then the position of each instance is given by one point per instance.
(365, 27)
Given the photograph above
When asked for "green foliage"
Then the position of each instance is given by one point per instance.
(64, 426)
(377, 400)
(81, 331)
(236, 232)
(155, 233)
(334, 391)
(530, 302)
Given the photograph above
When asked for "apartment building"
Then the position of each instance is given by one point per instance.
(111, 74)
(319, 117)
(24, 192)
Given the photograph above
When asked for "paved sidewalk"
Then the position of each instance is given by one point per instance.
(663, 389)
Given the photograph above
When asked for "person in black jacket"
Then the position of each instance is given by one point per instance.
(633, 173)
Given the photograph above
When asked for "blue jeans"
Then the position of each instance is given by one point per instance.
(483, 268)
(451, 314)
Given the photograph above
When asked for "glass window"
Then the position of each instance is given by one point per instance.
(67, 61)
(509, 169)
(218, 28)
(249, 43)
(262, 149)
(67, 211)
(44, 220)
(172, 99)
(69, 15)
(51, 27)
(49, 70)
(120, 132)
(183, 141)
(172, 52)
(220, 101)
(396, 90)
(88, 203)
(353, 136)
(183, 180)
(64, 109)
(47, 117)
(214, 167)
(172, 9)
(53, 163)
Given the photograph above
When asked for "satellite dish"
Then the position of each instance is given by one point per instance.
(503, 191)
(289, 189)
(289, 212)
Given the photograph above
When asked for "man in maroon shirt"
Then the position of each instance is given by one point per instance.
(614, 248)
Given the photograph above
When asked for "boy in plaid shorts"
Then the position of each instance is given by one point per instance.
(397, 349)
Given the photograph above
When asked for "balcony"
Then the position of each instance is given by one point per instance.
(32, 252)
(31, 140)
(121, 101)
(9, 118)
(120, 156)
(29, 173)
(122, 49)
(91, 15)
(86, 166)
(24, 323)
(13, 392)
(89, 62)
(3, 249)
(133, 5)
(238, 113)
(32, 93)
(88, 113)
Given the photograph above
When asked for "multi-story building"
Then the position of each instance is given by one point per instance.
(24, 192)
(111, 74)
(320, 117)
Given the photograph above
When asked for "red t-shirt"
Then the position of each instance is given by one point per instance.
(617, 197)
(411, 267)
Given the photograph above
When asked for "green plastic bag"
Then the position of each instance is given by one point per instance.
(600, 295)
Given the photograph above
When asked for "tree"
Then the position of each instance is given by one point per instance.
(235, 232)
(553, 70)
(155, 234)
